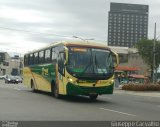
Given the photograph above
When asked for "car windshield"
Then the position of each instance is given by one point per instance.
(90, 62)
(11, 77)
(18, 77)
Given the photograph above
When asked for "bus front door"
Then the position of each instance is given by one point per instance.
(60, 73)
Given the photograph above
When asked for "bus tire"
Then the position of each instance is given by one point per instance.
(55, 90)
(33, 86)
(93, 97)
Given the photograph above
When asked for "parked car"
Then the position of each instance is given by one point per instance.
(10, 79)
(19, 79)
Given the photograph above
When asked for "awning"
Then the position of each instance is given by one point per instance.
(137, 76)
(126, 68)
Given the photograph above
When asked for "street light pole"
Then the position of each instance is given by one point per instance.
(154, 55)
(83, 39)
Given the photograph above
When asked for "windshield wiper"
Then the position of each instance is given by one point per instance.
(98, 65)
(89, 64)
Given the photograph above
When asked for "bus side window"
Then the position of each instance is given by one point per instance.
(53, 55)
(61, 63)
(36, 58)
(47, 56)
(41, 57)
(31, 59)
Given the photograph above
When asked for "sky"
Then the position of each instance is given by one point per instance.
(31, 24)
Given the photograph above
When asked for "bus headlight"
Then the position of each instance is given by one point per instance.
(112, 81)
(71, 80)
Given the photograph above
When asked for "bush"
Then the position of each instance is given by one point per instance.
(141, 87)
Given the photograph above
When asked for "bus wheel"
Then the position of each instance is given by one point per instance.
(55, 91)
(93, 97)
(33, 86)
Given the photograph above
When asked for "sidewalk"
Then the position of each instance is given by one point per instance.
(138, 93)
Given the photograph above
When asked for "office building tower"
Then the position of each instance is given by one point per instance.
(127, 24)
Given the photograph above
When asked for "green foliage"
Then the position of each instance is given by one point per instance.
(145, 49)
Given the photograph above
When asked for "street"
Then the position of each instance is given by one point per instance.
(18, 102)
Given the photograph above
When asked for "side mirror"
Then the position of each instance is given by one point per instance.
(115, 59)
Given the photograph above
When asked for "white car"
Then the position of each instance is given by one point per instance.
(19, 79)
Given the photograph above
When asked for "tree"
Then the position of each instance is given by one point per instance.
(145, 49)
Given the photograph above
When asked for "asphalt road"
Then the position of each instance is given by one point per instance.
(17, 102)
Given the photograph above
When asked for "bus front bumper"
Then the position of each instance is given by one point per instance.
(82, 90)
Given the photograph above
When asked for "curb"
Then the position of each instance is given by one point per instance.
(139, 93)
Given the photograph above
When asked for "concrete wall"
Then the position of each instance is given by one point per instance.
(133, 59)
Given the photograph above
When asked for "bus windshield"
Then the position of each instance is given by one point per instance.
(90, 63)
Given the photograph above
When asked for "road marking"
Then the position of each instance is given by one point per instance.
(117, 112)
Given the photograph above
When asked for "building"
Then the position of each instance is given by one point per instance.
(127, 24)
(129, 58)
(15, 65)
(135, 60)
(10, 65)
(122, 54)
(4, 63)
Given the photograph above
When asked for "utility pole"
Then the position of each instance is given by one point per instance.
(154, 55)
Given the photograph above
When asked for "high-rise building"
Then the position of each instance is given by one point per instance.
(127, 24)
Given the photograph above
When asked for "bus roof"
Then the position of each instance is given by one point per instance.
(85, 43)
(82, 43)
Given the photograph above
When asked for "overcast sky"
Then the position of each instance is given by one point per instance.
(30, 24)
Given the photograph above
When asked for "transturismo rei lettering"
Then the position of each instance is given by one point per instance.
(135, 123)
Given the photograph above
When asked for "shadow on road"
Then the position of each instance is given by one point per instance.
(82, 99)
(74, 99)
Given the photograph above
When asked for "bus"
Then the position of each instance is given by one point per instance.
(71, 68)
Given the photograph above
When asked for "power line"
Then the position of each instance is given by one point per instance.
(50, 34)
(32, 32)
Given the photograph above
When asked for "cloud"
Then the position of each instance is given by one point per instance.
(52, 20)
(22, 15)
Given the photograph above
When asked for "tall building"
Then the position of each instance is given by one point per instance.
(127, 24)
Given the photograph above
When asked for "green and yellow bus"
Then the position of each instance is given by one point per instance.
(71, 68)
